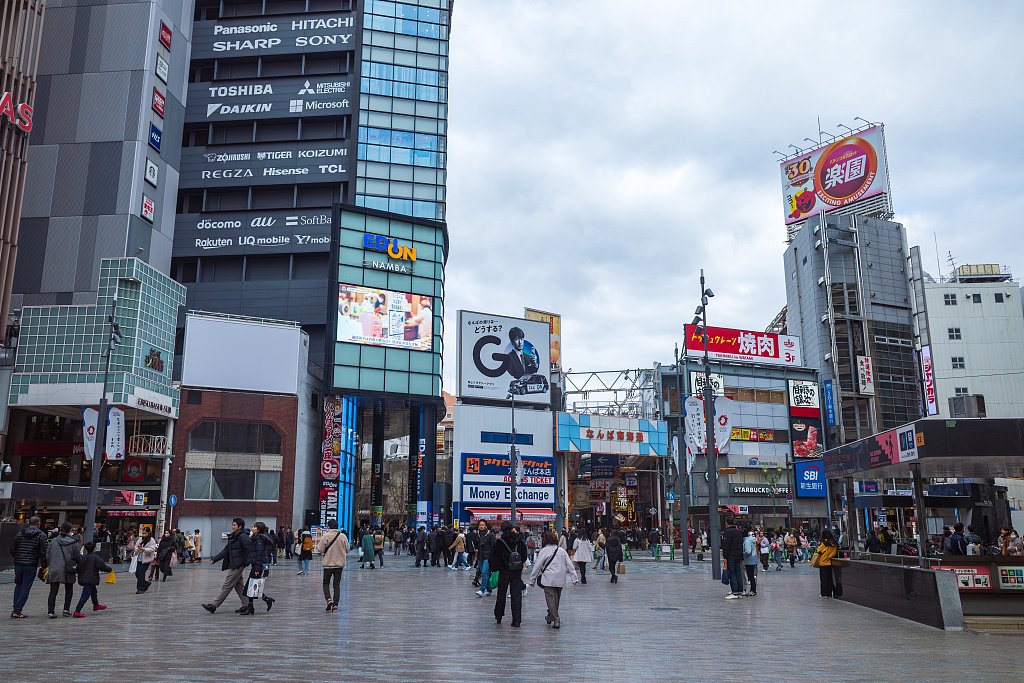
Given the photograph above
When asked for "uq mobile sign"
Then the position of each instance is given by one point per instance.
(253, 232)
(255, 36)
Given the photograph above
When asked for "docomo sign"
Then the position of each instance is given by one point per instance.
(743, 345)
(839, 174)
(19, 115)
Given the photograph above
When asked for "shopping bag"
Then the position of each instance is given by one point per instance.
(254, 588)
(174, 559)
(134, 565)
(726, 579)
(621, 568)
(492, 582)
(111, 577)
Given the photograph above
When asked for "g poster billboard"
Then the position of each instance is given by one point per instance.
(503, 358)
(834, 175)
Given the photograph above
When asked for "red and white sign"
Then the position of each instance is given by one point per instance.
(803, 398)
(865, 376)
(745, 345)
(165, 35)
(931, 400)
(18, 114)
(133, 470)
(159, 101)
(971, 578)
(148, 209)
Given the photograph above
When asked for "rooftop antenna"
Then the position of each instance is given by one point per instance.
(938, 263)
(951, 260)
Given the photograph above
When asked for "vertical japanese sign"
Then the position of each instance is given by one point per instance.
(554, 322)
(834, 175)
(805, 433)
(830, 403)
(931, 399)
(865, 376)
(330, 459)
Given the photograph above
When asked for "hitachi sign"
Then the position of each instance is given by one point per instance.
(19, 115)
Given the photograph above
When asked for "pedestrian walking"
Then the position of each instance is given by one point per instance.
(63, 557)
(508, 559)
(289, 543)
(421, 544)
(164, 554)
(144, 555)
(366, 550)
(613, 553)
(777, 546)
(273, 548)
(458, 546)
(432, 543)
(484, 552)
(396, 542)
(582, 553)
(826, 551)
(28, 551)
(305, 544)
(333, 547)
(378, 547)
(89, 579)
(261, 547)
(732, 551)
(599, 550)
(233, 558)
(764, 548)
(552, 568)
(750, 552)
(197, 541)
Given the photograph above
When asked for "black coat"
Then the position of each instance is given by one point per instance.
(503, 548)
(29, 547)
(485, 546)
(613, 548)
(261, 548)
(235, 554)
(732, 544)
(89, 569)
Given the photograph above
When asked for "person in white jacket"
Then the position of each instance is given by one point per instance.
(582, 553)
(551, 568)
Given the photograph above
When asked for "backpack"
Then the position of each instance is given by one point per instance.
(515, 560)
(307, 543)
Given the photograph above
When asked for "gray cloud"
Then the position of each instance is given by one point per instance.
(601, 153)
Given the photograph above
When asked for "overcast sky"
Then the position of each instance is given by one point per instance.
(601, 152)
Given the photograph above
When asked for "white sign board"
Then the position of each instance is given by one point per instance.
(504, 358)
(865, 376)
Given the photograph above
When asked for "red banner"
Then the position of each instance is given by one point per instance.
(725, 343)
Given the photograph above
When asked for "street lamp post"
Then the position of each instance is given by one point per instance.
(98, 451)
(513, 459)
(772, 477)
(682, 476)
(700, 322)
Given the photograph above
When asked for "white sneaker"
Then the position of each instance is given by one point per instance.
(733, 597)
(480, 593)
(466, 569)
(452, 567)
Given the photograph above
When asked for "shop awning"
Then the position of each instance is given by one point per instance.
(522, 514)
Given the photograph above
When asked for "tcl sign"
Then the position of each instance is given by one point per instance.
(19, 115)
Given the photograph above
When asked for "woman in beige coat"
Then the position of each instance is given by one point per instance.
(333, 546)
(551, 569)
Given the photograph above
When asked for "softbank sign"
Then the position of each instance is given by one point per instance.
(17, 114)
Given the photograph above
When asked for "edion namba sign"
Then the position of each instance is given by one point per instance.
(18, 114)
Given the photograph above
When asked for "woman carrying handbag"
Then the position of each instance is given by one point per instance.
(551, 569)
(143, 556)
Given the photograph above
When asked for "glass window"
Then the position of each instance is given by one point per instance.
(976, 298)
(270, 440)
(955, 334)
(197, 484)
(237, 437)
(267, 485)
(201, 437)
(999, 297)
(745, 395)
(233, 484)
(959, 363)
(961, 391)
(949, 299)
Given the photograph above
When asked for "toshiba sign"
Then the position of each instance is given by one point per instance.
(18, 114)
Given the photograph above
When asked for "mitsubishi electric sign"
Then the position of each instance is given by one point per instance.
(260, 36)
(253, 232)
(271, 98)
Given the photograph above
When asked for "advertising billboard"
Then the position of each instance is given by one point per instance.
(501, 358)
(330, 459)
(810, 479)
(806, 436)
(270, 98)
(264, 164)
(699, 379)
(834, 175)
(260, 36)
(554, 322)
(745, 346)
(487, 479)
(378, 317)
(830, 403)
(931, 399)
(803, 398)
(582, 433)
(253, 232)
(865, 376)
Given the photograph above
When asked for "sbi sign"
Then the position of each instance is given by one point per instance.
(391, 247)
(810, 479)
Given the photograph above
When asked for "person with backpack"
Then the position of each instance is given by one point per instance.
(305, 551)
(28, 551)
(485, 549)
(333, 546)
(957, 542)
(89, 579)
(613, 553)
(378, 547)
(63, 558)
(551, 569)
(396, 542)
(732, 553)
(532, 546)
(508, 558)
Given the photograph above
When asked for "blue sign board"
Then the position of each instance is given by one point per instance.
(810, 479)
(155, 136)
(830, 404)
(172, 500)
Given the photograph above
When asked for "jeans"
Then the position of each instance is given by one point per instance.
(599, 562)
(777, 557)
(69, 589)
(24, 575)
(764, 561)
(379, 554)
(460, 559)
(735, 576)
(303, 565)
(332, 575)
(485, 575)
(751, 577)
(87, 593)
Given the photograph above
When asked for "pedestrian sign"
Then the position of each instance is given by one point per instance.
(172, 500)
(671, 495)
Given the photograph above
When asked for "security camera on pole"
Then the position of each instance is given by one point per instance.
(99, 449)
(700, 323)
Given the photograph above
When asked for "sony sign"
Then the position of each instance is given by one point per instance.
(245, 36)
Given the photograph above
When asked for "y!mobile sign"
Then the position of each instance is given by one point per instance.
(835, 175)
(744, 345)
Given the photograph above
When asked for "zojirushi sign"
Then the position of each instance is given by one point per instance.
(17, 113)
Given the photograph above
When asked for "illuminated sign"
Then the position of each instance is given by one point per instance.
(148, 209)
(810, 479)
(19, 115)
(727, 344)
(928, 368)
(390, 246)
(159, 101)
(155, 136)
(165, 35)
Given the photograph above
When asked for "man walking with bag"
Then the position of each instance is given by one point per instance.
(333, 546)
(28, 550)
(233, 557)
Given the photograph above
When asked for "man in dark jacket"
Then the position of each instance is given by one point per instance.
(957, 543)
(732, 551)
(421, 542)
(28, 551)
(434, 539)
(484, 548)
(289, 542)
(233, 557)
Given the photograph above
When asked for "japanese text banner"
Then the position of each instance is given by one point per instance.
(745, 345)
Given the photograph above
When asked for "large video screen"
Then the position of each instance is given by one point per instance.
(379, 317)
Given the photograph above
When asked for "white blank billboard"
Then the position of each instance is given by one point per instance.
(226, 353)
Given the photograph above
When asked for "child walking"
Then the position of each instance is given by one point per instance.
(89, 579)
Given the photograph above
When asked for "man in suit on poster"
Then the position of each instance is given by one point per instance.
(523, 359)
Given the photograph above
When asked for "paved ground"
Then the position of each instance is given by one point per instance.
(660, 623)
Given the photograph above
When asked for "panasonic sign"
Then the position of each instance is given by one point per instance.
(238, 37)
